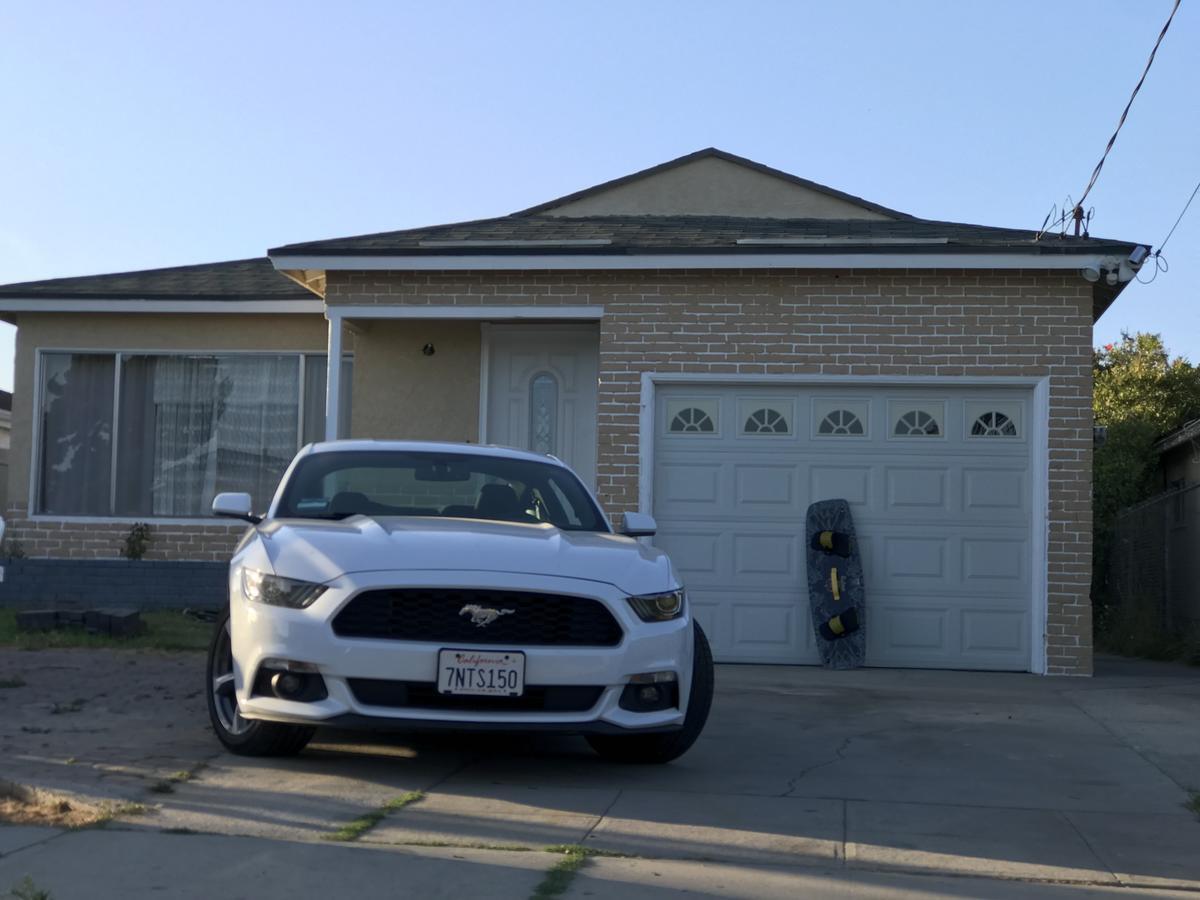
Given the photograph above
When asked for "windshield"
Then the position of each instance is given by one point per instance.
(457, 485)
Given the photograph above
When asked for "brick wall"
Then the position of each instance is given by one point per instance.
(1015, 323)
(785, 322)
(67, 539)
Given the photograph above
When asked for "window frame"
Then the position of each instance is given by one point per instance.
(118, 356)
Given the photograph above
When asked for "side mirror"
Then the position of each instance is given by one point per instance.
(639, 525)
(235, 506)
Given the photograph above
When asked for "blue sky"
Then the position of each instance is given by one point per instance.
(154, 134)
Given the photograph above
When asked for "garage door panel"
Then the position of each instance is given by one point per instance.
(754, 626)
(849, 483)
(895, 629)
(694, 484)
(943, 520)
(766, 488)
(995, 561)
(922, 490)
(998, 493)
(695, 553)
(916, 558)
(990, 632)
(761, 553)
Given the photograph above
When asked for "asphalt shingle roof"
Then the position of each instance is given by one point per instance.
(242, 279)
(617, 235)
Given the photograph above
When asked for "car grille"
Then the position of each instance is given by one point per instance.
(439, 616)
(424, 695)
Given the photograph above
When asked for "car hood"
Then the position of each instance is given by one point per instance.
(318, 550)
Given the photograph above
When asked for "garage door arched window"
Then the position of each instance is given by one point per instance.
(692, 420)
(917, 423)
(766, 421)
(993, 424)
(840, 422)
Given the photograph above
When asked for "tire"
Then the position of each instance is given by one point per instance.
(662, 748)
(246, 737)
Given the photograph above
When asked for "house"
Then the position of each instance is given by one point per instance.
(712, 341)
(1179, 456)
(5, 431)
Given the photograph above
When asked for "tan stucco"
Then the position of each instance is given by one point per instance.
(713, 187)
(400, 393)
(131, 333)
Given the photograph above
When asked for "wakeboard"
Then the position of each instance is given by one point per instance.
(835, 585)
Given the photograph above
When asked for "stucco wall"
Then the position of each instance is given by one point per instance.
(400, 393)
(713, 187)
(132, 332)
(838, 323)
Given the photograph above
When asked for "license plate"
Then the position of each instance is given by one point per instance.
(488, 673)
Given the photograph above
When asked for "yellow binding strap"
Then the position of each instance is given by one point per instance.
(833, 583)
(826, 540)
(836, 626)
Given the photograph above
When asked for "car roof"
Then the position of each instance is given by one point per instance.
(375, 446)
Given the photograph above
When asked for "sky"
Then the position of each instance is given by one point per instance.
(138, 135)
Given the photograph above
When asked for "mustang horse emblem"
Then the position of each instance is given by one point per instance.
(483, 615)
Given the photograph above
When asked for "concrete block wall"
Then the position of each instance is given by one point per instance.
(96, 583)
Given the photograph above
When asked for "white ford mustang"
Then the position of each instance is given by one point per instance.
(411, 585)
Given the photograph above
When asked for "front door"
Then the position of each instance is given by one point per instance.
(541, 391)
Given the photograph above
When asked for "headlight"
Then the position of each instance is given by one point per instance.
(659, 607)
(263, 588)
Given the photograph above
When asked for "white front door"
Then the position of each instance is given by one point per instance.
(540, 391)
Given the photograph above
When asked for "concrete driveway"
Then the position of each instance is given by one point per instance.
(870, 783)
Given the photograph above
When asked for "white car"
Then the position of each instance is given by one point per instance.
(410, 585)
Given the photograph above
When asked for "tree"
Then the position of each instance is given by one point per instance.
(1140, 395)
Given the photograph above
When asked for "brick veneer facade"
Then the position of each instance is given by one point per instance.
(850, 322)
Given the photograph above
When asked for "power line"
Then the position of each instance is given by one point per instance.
(1182, 213)
(1077, 211)
(1112, 140)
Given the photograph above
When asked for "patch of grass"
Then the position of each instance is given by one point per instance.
(355, 829)
(15, 681)
(1192, 804)
(165, 630)
(560, 875)
(469, 845)
(27, 890)
(121, 809)
(587, 851)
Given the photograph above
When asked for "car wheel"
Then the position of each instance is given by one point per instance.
(247, 737)
(662, 748)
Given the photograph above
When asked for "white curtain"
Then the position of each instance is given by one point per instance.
(193, 426)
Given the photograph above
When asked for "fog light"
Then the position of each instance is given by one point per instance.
(286, 685)
(650, 694)
(289, 680)
(647, 694)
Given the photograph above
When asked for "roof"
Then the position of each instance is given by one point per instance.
(242, 279)
(618, 235)
(1188, 432)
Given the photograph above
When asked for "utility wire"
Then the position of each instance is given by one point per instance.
(1180, 219)
(1112, 140)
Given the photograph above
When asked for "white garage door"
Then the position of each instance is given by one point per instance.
(939, 484)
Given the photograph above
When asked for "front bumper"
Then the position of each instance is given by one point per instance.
(263, 632)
